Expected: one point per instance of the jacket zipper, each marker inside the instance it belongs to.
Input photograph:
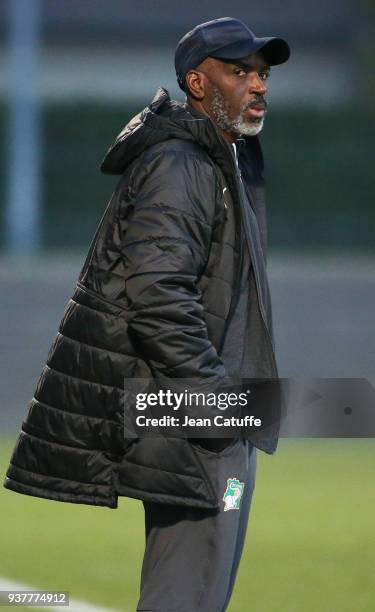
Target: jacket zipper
(256, 275)
(237, 281)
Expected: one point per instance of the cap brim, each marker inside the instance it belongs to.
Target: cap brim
(275, 50)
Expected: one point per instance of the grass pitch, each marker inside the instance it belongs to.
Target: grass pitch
(310, 544)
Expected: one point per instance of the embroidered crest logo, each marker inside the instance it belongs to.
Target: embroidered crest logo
(233, 494)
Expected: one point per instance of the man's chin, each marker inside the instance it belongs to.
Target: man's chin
(247, 128)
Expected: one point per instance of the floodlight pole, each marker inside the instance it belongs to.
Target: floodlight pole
(22, 214)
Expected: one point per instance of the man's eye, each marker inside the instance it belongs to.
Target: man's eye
(239, 71)
(264, 75)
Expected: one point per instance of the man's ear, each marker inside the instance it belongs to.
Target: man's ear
(195, 84)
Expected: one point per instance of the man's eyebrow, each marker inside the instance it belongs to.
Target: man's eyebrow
(240, 64)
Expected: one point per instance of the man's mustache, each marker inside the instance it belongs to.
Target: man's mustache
(259, 101)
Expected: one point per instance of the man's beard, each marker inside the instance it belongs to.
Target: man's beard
(238, 125)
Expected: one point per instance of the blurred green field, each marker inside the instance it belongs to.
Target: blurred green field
(310, 545)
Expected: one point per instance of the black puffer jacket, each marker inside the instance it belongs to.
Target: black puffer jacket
(153, 298)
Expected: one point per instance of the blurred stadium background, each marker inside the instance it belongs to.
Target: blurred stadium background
(71, 75)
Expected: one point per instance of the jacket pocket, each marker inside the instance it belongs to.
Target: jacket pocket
(223, 452)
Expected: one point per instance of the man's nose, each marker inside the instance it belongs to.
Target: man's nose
(257, 85)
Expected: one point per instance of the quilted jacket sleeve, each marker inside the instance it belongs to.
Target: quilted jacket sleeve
(165, 250)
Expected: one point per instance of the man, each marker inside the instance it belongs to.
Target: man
(173, 287)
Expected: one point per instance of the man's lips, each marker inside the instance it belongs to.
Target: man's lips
(257, 108)
(257, 111)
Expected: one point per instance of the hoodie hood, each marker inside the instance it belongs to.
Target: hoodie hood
(162, 120)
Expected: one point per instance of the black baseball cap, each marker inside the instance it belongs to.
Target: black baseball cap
(227, 39)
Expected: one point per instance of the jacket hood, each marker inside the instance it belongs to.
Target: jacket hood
(162, 120)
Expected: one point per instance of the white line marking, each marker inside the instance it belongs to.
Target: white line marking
(75, 605)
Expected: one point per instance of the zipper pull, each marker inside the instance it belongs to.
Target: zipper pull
(224, 190)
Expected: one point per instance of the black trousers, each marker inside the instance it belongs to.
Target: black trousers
(192, 555)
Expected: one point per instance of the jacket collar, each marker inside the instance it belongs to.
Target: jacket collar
(164, 119)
